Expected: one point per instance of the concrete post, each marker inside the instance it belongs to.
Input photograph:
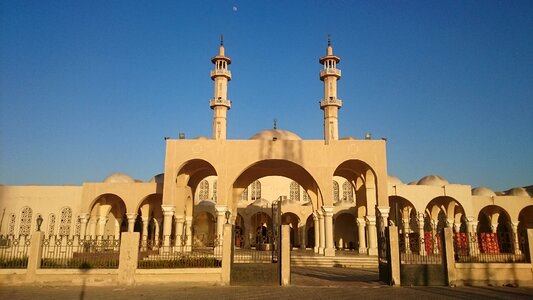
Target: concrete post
(328, 224)
(227, 253)
(317, 232)
(34, 255)
(361, 237)
(128, 257)
(394, 257)
(372, 235)
(285, 255)
(449, 256)
(131, 221)
(322, 233)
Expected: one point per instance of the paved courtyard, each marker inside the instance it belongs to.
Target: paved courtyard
(308, 283)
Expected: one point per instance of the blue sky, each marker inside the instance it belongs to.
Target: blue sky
(91, 88)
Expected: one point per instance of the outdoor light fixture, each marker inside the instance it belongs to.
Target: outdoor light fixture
(181, 136)
(368, 136)
(39, 222)
(228, 214)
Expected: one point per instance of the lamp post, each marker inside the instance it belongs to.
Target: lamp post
(39, 222)
(228, 214)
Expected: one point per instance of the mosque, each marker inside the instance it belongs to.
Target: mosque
(335, 193)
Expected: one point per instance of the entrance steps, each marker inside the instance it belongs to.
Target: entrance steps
(355, 261)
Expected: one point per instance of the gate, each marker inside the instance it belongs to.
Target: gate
(260, 263)
(383, 250)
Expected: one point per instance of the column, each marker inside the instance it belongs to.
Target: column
(434, 236)
(361, 237)
(316, 227)
(372, 235)
(405, 232)
(471, 228)
(168, 212)
(328, 225)
(102, 220)
(302, 233)
(420, 222)
(118, 222)
(188, 232)
(131, 221)
(144, 233)
(516, 244)
(157, 232)
(92, 227)
(84, 218)
(178, 233)
(221, 220)
(322, 233)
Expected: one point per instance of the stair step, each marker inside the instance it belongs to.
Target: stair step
(336, 261)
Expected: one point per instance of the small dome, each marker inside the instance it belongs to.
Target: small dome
(433, 180)
(347, 138)
(119, 178)
(412, 183)
(261, 203)
(518, 191)
(159, 178)
(393, 180)
(276, 134)
(483, 191)
(207, 203)
(203, 138)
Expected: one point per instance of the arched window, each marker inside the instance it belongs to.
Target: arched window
(295, 191)
(78, 227)
(335, 191)
(256, 190)
(204, 190)
(25, 221)
(305, 196)
(66, 219)
(51, 224)
(215, 191)
(347, 192)
(11, 228)
(244, 195)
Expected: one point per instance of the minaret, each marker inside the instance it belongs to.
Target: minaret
(220, 102)
(330, 104)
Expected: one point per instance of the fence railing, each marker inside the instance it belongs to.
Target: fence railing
(14, 251)
(502, 247)
(415, 249)
(75, 252)
(201, 252)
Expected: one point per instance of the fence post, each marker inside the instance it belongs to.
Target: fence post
(394, 259)
(128, 257)
(227, 253)
(285, 255)
(34, 255)
(449, 256)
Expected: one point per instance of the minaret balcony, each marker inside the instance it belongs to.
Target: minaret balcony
(220, 102)
(330, 72)
(221, 72)
(330, 102)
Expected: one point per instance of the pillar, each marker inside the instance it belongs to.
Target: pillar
(421, 238)
(84, 218)
(302, 233)
(316, 227)
(322, 233)
(131, 221)
(102, 220)
(168, 213)
(178, 232)
(516, 242)
(188, 232)
(144, 233)
(221, 219)
(471, 232)
(405, 232)
(328, 225)
(361, 237)
(372, 235)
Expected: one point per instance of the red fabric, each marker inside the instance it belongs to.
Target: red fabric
(428, 240)
(489, 243)
(461, 242)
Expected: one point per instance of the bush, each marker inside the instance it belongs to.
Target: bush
(14, 263)
(182, 262)
(79, 264)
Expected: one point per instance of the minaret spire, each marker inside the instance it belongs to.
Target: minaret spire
(330, 104)
(220, 102)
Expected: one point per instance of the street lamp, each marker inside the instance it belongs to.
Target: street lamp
(39, 222)
(228, 214)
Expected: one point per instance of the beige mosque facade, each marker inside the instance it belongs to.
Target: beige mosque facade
(335, 193)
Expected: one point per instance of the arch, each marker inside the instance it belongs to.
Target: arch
(525, 222)
(107, 213)
(310, 231)
(345, 231)
(402, 210)
(239, 231)
(261, 223)
(293, 221)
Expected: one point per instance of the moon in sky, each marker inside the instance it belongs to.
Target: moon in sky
(235, 8)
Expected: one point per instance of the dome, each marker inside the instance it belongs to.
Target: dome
(203, 138)
(518, 191)
(207, 203)
(261, 203)
(433, 180)
(347, 138)
(483, 191)
(119, 178)
(276, 134)
(159, 178)
(393, 180)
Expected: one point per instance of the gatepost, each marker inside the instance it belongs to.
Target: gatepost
(128, 257)
(227, 253)
(394, 257)
(285, 255)
(34, 255)
(449, 256)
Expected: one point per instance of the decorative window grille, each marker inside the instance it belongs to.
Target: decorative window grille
(51, 224)
(335, 191)
(204, 190)
(215, 191)
(78, 227)
(347, 192)
(66, 220)
(294, 191)
(25, 221)
(306, 196)
(244, 195)
(11, 228)
(256, 190)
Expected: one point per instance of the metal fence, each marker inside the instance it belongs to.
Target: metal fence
(75, 252)
(203, 251)
(501, 247)
(415, 249)
(14, 251)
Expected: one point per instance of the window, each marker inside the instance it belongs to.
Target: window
(204, 190)
(335, 191)
(294, 191)
(215, 191)
(11, 228)
(25, 221)
(66, 219)
(347, 192)
(244, 195)
(306, 196)
(51, 224)
(256, 190)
